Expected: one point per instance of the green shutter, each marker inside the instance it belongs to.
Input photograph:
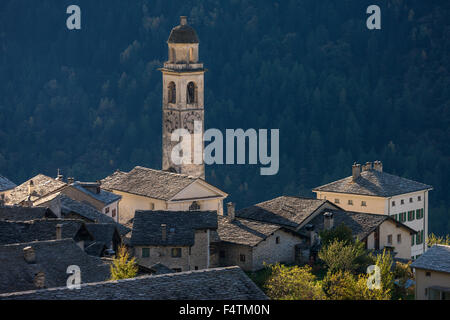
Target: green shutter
(412, 239)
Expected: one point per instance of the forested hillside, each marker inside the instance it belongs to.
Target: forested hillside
(89, 101)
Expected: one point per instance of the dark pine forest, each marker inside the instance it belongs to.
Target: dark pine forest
(89, 101)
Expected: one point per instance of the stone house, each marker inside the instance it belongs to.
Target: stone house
(149, 189)
(371, 190)
(106, 239)
(250, 244)
(432, 273)
(377, 231)
(180, 240)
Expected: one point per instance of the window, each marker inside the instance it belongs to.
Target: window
(410, 200)
(107, 210)
(191, 55)
(152, 206)
(176, 269)
(419, 198)
(191, 93)
(277, 240)
(194, 206)
(242, 258)
(402, 201)
(350, 202)
(113, 213)
(428, 274)
(389, 239)
(196, 267)
(393, 203)
(336, 200)
(363, 204)
(399, 238)
(176, 252)
(145, 252)
(411, 215)
(419, 237)
(171, 93)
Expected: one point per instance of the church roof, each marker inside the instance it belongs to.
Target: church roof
(229, 283)
(374, 183)
(183, 33)
(157, 184)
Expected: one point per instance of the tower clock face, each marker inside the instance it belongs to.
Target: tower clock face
(171, 122)
(189, 118)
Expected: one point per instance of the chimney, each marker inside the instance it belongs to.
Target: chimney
(59, 176)
(30, 187)
(70, 180)
(378, 166)
(231, 211)
(39, 280)
(183, 20)
(29, 255)
(311, 233)
(164, 232)
(58, 231)
(356, 171)
(328, 221)
(367, 166)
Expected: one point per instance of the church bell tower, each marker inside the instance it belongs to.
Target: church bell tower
(182, 103)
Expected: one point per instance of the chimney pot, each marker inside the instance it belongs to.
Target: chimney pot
(30, 187)
(164, 232)
(183, 20)
(29, 255)
(378, 166)
(356, 171)
(231, 211)
(39, 280)
(70, 180)
(58, 231)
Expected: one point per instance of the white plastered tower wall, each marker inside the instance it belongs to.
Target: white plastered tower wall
(183, 98)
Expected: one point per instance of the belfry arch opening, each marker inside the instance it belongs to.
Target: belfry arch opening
(191, 93)
(171, 93)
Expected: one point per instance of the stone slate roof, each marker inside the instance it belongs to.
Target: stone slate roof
(181, 227)
(159, 268)
(103, 232)
(103, 196)
(42, 230)
(374, 183)
(43, 185)
(85, 211)
(147, 182)
(18, 213)
(6, 184)
(436, 258)
(52, 257)
(361, 224)
(284, 210)
(243, 231)
(229, 283)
